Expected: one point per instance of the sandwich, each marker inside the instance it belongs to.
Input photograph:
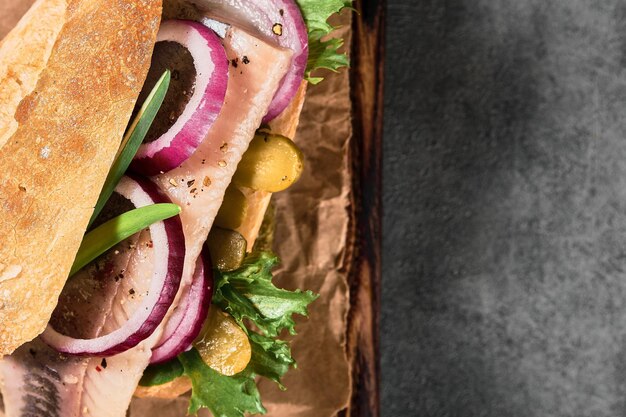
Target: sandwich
(140, 144)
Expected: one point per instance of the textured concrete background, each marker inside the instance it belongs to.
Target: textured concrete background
(505, 197)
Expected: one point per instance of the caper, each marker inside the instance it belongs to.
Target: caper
(271, 163)
(227, 248)
(233, 210)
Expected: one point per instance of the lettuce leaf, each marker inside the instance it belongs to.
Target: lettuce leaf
(161, 373)
(232, 396)
(248, 293)
(224, 396)
(271, 358)
(323, 52)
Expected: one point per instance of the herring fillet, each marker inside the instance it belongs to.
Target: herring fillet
(122, 371)
(36, 377)
(107, 392)
(198, 184)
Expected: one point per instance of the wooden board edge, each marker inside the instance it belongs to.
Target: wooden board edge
(364, 276)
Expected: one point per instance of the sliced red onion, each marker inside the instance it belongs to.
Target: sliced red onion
(185, 324)
(169, 253)
(278, 21)
(211, 65)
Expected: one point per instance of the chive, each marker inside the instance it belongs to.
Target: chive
(109, 234)
(132, 140)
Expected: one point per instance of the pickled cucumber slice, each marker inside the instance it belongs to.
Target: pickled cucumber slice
(272, 163)
(223, 345)
(227, 248)
(234, 209)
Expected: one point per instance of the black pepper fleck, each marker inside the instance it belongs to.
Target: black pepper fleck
(245, 60)
(131, 291)
(104, 363)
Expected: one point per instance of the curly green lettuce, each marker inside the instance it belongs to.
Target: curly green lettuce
(248, 293)
(323, 51)
(250, 297)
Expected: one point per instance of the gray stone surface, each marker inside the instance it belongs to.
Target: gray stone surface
(505, 209)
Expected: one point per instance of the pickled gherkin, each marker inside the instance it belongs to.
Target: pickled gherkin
(223, 345)
(272, 163)
(227, 248)
(233, 210)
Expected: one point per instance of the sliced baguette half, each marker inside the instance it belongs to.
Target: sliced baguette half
(70, 73)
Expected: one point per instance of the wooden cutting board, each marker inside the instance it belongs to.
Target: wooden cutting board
(367, 51)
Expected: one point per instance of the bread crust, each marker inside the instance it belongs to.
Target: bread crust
(64, 136)
(24, 53)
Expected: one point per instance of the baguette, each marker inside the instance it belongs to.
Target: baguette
(60, 129)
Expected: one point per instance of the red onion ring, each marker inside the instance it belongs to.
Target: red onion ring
(181, 140)
(169, 253)
(185, 324)
(278, 21)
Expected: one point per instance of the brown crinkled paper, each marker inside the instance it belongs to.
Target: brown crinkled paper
(311, 239)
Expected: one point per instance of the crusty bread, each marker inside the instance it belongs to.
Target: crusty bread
(23, 55)
(258, 201)
(67, 92)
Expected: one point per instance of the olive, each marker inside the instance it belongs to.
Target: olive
(272, 163)
(233, 210)
(227, 248)
(223, 345)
